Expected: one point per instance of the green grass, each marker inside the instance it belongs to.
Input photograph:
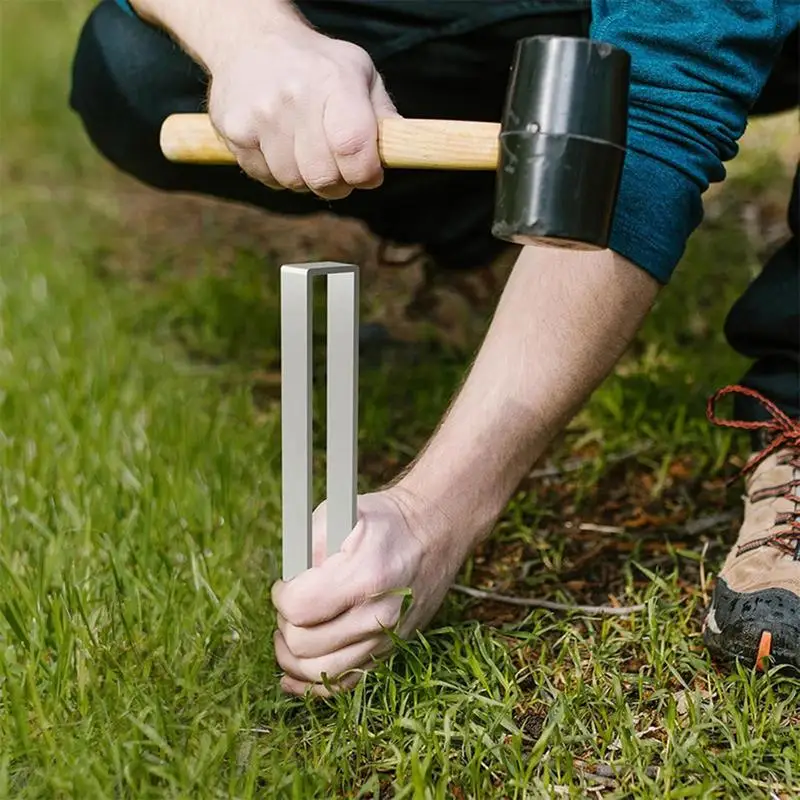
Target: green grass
(139, 507)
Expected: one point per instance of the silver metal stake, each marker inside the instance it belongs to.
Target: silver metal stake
(297, 410)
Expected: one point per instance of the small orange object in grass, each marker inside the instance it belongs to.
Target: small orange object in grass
(764, 650)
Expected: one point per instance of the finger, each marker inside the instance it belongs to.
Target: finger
(277, 147)
(251, 160)
(315, 160)
(291, 685)
(351, 130)
(299, 599)
(333, 664)
(355, 625)
(284, 168)
(334, 580)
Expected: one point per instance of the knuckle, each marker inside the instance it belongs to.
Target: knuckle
(296, 619)
(331, 190)
(339, 192)
(350, 142)
(293, 637)
(286, 604)
(288, 93)
(288, 179)
(357, 56)
(362, 173)
(269, 109)
(323, 180)
(390, 616)
(259, 174)
(293, 613)
(237, 128)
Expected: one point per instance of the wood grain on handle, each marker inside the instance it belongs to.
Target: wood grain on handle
(408, 143)
(438, 144)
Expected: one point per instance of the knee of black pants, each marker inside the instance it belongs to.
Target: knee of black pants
(764, 325)
(782, 89)
(127, 77)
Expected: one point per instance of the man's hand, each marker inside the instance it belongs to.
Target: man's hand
(300, 111)
(331, 618)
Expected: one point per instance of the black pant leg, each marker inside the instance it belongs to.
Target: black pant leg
(764, 324)
(782, 90)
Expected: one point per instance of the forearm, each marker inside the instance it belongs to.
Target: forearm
(206, 29)
(564, 320)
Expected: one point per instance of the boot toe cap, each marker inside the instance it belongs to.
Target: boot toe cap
(736, 624)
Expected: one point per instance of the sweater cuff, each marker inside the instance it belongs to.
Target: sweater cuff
(650, 190)
(126, 7)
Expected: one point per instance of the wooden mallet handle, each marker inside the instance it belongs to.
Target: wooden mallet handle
(405, 143)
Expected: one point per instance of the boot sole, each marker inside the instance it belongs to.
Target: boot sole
(756, 628)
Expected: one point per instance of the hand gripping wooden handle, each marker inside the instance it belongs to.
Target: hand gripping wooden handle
(408, 143)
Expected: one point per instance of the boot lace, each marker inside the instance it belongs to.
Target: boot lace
(782, 432)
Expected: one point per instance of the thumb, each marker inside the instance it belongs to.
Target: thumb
(319, 534)
(379, 97)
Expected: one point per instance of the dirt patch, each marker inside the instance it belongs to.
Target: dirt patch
(178, 233)
(586, 550)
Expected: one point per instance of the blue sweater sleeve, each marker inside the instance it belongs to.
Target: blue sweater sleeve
(697, 67)
(126, 6)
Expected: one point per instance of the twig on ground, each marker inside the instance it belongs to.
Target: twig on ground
(703, 585)
(590, 526)
(574, 464)
(703, 524)
(691, 528)
(601, 779)
(533, 602)
(607, 775)
(694, 527)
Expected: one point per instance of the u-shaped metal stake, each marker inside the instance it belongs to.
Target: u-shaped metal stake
(297, 410)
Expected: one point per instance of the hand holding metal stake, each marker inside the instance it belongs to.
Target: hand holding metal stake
(297, 409)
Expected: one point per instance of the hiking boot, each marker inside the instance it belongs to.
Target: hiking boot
(754, 616)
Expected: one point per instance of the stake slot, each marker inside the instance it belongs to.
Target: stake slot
(297, 295)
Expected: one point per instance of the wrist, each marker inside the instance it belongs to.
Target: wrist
(250, 27)
(435, 522)
(463, 485)
(211, 32)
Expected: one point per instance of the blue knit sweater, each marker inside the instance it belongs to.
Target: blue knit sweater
(697, 68)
